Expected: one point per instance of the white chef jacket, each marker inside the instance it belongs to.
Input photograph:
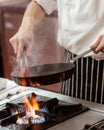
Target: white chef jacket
(80, 22)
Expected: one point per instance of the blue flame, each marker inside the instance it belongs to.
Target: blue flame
(32, 120)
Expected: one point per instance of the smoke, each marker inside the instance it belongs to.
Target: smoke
(45, 49)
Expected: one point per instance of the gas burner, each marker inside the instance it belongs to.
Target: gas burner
(50, 112)
(96, 126)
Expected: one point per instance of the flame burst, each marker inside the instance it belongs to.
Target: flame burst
(23, 82)
(32, 106)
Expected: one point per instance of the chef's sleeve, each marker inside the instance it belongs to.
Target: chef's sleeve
(48, 5)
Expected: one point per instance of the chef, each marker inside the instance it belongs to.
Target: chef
(80, 27)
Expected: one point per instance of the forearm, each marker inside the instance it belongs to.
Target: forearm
(32, 16)
(24, 38)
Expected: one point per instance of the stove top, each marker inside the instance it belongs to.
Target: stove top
(96, 126)
(58, 111)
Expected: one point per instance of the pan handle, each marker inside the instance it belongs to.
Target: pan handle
(79, 56)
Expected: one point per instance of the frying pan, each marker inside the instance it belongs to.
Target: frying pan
(46, 74)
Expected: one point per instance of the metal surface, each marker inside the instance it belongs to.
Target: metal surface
(52, 117)
(46, 74)
(79, 56)
(76, 123)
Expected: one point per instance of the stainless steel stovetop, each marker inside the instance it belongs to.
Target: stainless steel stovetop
(96, 112)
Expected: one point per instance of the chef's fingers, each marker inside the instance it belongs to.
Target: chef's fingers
(14, 42)
(98, 45)
(29, 46)
(93, 47)
(20, 49)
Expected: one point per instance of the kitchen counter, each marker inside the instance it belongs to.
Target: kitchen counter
(96, 112)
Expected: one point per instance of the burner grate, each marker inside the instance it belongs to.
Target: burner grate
(58, 111)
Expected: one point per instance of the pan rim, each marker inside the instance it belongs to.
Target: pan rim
(13, 73)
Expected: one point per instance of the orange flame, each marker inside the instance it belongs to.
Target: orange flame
(37, 84)
(23, 82)
(33, 105)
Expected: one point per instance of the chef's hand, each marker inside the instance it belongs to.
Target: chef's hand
(98, 46)
(23, 39)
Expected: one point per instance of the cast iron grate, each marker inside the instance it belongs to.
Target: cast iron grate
(58, 111)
